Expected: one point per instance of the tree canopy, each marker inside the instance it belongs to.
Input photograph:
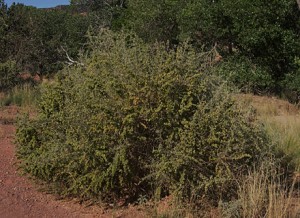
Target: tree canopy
(266, 32)
(263, 34)
(34, 38)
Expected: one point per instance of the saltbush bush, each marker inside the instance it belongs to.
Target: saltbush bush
(138, 120)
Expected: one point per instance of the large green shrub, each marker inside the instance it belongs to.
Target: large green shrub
(137, 120)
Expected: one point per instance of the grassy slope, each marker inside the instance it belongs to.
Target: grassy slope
(282, 120)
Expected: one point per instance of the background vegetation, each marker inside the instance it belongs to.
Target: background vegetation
(263, 35)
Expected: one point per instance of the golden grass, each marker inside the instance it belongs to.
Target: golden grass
(281, 120)
(268, 106)
(285, 130)
(261, 194)
(24, 95)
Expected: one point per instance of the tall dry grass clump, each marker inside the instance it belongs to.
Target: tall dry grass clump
(263, 193)
(24, 95)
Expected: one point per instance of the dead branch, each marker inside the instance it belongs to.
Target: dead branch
(70, 61)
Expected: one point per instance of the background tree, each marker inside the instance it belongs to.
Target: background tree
(7, 67)
(266, 33)
(35, 37)
(22, 33)
(101, 13)
(3, 28)
(154, 19)
(59, 29)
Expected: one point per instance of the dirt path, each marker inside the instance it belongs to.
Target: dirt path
(20, 198)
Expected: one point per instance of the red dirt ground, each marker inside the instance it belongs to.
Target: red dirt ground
(20, 198)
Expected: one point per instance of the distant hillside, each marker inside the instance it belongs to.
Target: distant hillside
(58, 7)
(74, 9)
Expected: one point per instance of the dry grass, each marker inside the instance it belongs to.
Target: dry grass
(169, 207)
(8, 114)
(281, 120)
(262, 194)
(24, 95)
(268, 106)
(285, 130)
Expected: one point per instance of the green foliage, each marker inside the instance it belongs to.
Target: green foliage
(291, 84)
(21, 35)
(3, 28)
(154, 20)
(57, 30)
(34, 38)
(8, 75)
(101, 13)
(136, 120)
(266, 32)
(244, 74)
(213, 146)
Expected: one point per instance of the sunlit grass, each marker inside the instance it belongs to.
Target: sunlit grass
(24, 95)
(285, 130)
(262, 193)
(281, 120)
